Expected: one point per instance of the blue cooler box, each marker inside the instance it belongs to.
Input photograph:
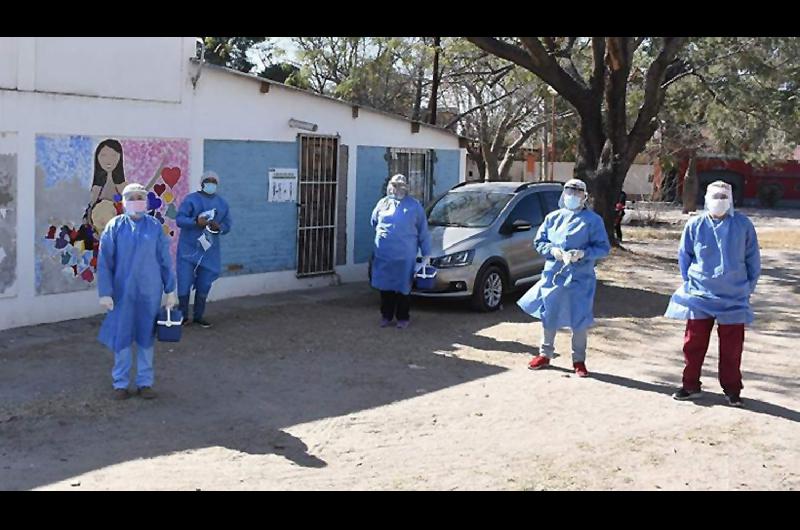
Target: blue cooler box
(168, 325)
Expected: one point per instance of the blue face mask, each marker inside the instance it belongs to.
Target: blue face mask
(210, 188)
(572, 202)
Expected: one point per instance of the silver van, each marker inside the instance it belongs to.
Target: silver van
(482, 239)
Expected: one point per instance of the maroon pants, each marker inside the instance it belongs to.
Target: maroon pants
(695, 345)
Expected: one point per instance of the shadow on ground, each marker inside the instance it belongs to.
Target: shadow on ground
(266, 365)
(709, 399)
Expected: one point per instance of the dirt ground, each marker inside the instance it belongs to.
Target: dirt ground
(302, 390)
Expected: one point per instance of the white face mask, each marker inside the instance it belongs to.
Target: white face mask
(717, 207)
(573, 202)
(134, 208)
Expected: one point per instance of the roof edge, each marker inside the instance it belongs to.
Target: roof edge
(323, 96)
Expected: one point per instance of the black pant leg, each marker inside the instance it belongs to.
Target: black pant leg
(618, 232)
(388, 303)
(403, 306)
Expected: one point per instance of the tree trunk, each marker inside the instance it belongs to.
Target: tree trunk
(607, 187)
(505, 167)
(491, 165)
(604, 180)
(416, 113)
(435, 87)
(481, 168)
(690, 185)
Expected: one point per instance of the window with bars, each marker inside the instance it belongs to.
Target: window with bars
(417, 166)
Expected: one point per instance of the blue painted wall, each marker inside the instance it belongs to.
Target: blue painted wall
(264, 234)
(445, 170)
(371, 172)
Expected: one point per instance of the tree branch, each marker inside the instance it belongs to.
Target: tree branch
(538, 62)
(618, 62)
(645, 126)
(597, 80)
(481, 105)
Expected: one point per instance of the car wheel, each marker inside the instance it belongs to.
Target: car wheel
(489, 288)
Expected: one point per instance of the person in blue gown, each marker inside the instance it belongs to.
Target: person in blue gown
(401, 231)
(134, 271)
(720, 264)
(571, 239)
(203, 218)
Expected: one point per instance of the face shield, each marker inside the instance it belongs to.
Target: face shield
(397, 187)
(134, 199)
(719, 199)
(574, 195)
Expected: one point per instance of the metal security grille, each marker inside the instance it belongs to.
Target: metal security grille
(316, 202)
(416, 165)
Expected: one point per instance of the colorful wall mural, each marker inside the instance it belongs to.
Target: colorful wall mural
(8, 214)
(79, 181)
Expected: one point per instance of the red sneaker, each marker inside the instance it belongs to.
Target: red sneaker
(580, 369)
(540, 361)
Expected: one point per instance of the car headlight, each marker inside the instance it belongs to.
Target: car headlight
(459, 259)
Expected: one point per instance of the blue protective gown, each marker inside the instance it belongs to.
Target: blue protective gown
(189, 248)
(720, 264)
(564, 295)
(134, 268)
(401, 228)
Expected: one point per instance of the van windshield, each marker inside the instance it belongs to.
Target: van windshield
(474, 209)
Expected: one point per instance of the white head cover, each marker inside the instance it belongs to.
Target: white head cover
(573, 184)
(132, 188)
(720, 186)
(208, 175)
(397, 185)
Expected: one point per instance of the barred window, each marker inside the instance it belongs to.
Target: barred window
(417, 166)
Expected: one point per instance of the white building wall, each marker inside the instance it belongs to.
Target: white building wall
(223, 106)
(637, 182)
(9, 57)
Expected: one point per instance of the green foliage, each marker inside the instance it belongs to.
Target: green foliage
(740, 100)
(379, 72)
(280, 72)
(231, 51)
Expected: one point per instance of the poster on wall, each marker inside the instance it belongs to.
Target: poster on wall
(282, 185)
(8, 215)
(79, 183)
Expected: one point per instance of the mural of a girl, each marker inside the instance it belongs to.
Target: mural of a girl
(107, 185)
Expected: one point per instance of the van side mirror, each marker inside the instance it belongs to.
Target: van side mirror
(519, 225)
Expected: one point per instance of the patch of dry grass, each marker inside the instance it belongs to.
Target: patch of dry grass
(776, 239)
(643, 233)
(779, 239)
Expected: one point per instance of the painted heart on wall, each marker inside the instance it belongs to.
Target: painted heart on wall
(160, 189)
(172, 212)
(171, 175)
(168, 197)
(153, 202)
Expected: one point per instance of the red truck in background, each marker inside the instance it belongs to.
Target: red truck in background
(752, 185)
